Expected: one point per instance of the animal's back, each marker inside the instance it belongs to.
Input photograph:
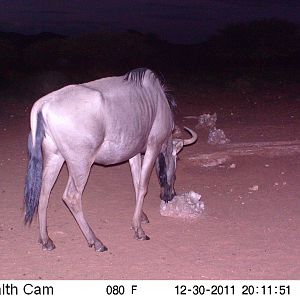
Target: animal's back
(108, 116)
(138, 96)
(136, 111)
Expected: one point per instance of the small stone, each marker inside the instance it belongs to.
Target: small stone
(254, 188)
(217, 136)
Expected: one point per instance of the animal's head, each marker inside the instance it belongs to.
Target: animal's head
(166, 165)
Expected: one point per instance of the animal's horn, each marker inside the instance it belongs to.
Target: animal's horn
(193, 139)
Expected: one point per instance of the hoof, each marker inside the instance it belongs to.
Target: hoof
(48, 246)
(144, 219)
(142, 237)
(99, 247)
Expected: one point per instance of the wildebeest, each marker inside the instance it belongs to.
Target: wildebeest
(106, 121)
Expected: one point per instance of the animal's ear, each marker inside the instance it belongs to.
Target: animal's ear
(177, 146)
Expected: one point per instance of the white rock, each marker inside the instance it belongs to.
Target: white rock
(187, 205)
(217, 136)
(254, 188)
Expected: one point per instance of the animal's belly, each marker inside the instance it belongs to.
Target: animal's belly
(113, 153)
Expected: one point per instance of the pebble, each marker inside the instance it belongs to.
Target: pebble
(254, 188)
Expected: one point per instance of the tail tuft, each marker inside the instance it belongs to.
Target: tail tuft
(33, 181)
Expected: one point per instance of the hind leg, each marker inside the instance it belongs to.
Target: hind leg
(78, 176)
(136, 168)
(52, 165)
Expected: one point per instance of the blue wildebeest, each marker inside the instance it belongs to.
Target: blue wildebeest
(105, 121)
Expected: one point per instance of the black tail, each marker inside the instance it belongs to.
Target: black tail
(33, 182)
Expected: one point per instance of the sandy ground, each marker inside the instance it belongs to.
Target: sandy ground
(243, 234)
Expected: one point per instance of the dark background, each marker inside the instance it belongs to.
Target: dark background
(45, 45)
(177, 21)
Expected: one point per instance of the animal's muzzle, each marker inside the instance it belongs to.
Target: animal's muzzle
(167, 194)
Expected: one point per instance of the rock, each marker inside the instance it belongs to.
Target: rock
(187, 205)
(207, 121)
(217, 137)
(253, 188)
(232, 166)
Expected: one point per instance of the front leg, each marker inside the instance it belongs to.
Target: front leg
(135, 164)
(141, 191)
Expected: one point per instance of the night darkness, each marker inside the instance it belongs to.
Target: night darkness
(175, 20)
(189, 37)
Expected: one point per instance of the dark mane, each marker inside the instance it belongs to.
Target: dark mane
(137, 76)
